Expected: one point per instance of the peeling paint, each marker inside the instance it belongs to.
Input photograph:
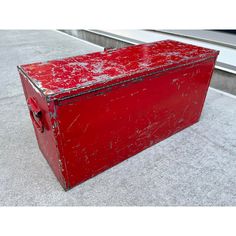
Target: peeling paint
(59, 77)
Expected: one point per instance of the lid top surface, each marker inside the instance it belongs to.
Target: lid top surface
(96, 69)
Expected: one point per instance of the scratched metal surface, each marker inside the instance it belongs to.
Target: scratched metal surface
(194, 167)
(60, 76)
(227, 55)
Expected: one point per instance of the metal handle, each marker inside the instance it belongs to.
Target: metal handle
(35, 114)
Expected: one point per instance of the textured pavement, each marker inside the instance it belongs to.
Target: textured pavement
(195, 167)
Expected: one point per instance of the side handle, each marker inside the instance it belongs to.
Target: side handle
(35, 114)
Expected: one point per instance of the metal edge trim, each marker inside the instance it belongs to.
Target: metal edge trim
(20, 69)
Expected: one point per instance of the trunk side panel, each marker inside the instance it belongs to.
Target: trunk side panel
(47, 141)
(103, 128)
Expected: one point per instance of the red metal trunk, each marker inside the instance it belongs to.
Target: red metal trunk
(93, 111)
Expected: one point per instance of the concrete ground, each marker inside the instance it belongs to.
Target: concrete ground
(195, 167)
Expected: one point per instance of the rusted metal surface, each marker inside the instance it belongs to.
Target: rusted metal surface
(99, 109)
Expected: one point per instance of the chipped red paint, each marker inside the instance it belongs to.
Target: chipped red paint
(101, 108)
(60, 78)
